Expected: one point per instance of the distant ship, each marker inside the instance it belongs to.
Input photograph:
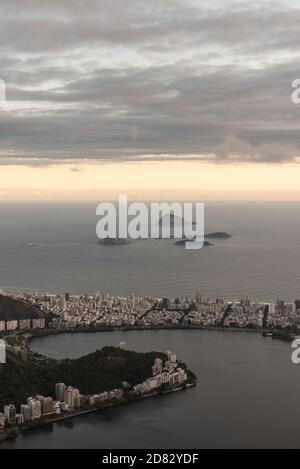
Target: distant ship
(31, 244)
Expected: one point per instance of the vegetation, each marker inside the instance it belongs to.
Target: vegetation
(100, 371)
(11, 308)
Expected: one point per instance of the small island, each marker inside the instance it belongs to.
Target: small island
(218, 235)
(114, 241)
(182, 242)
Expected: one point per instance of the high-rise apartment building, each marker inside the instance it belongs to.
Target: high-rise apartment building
(59, 391)
(10, 414)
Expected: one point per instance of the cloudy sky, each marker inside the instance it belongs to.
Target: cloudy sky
(194, 91)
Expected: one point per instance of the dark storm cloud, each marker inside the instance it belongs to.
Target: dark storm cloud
(115, 80)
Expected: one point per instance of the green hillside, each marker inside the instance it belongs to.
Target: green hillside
(100, 371)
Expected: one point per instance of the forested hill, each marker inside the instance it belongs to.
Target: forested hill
(11, 308)
(100, 371)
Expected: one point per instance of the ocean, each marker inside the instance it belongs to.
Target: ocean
(261, 260)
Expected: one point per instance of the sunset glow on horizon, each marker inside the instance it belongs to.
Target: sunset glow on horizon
(147, 180)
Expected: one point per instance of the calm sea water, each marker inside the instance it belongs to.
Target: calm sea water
(262, 259)
(247, 396)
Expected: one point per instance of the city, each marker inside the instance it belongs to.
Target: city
(103, 311)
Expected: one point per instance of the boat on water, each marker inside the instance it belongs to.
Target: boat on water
(267, 334)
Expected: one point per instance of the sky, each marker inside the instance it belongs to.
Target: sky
(184, 98)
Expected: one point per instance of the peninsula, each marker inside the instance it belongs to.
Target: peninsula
(107, 377)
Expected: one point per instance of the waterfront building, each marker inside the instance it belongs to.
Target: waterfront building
(36, 409)
(91, 400)
(177, 377)
(47, 406)
(104, 396)
(56, 407)
(157, 367)
(139, 388)
(171, 357)
(19, 419)
(29, 400)
(96, 399)
(59, 391)
(2, 326)
(70, 396)
(171, 363)
(163, 378)
(26, 412)
(40, 398)
(112, 395)
(150, 384)
(64, 406)
(116, 394)
(81, 401)
(10, 414)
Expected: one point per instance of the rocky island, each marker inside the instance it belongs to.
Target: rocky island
(218, 235)
(114, 241)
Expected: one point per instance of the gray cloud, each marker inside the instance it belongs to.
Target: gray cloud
(114, 80)
(235, 150)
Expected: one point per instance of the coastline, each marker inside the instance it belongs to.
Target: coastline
(14, 432)
(286, 335)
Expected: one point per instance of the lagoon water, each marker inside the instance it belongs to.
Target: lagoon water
(247, 395)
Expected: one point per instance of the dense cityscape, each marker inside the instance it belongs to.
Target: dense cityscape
(105, 311)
